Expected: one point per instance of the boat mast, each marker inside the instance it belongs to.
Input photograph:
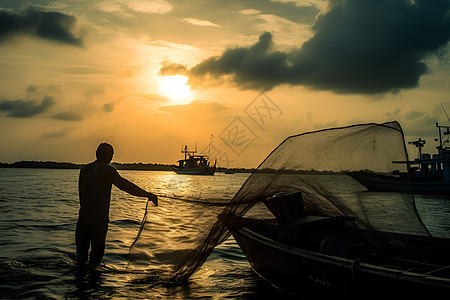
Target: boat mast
(445, 112)
(419, 144)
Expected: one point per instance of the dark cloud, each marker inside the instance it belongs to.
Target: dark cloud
(26, 108)
(31, 89)
(255, 67)
(358, 46)
(171, 68)
(49, 25)
(38, 91)
(108, 107)
(68, 116)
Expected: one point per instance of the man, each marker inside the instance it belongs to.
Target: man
(94, 187)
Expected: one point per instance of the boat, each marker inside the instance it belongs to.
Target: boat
(298, 252)
(426, 174)
(304, 224)
(194, 164)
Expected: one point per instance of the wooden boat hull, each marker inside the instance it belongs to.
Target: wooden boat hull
(297, 269)
(378, 182)
(194, 171)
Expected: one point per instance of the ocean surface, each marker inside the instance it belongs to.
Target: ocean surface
(39, 207)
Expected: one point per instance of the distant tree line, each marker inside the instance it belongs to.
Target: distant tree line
(118, 166)
(41, 165)
(67, 165)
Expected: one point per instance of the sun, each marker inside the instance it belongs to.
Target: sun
(175, 88)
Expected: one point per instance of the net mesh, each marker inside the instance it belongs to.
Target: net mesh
(315, 164)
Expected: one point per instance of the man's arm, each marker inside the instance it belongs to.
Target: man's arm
(131, 188)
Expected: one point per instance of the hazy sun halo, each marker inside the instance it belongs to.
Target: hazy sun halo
(175, 88)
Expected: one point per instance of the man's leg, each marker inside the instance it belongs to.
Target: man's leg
(82, 241)
(98, 244)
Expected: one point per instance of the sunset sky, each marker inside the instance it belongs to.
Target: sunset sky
(150, 75)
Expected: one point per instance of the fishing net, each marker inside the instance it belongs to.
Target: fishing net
(318, 165)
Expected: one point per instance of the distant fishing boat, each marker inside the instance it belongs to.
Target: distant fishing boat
(194, 164)
(426, 174)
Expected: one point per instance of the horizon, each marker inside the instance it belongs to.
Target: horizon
(229, 78)
(111, 163)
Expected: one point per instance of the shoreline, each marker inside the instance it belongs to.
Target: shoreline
(118, 166)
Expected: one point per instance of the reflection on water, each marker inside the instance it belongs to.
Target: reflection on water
(37, 250)
(435, 213)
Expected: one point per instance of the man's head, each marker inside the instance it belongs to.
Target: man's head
(105, 153)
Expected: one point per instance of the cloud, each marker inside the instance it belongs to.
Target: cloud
(93, 92)
(123, 7)
(255, 67)
(58, 133)
(199, 22)
(196, 106)
(152, 6)
(26, 108)
(414, 115)
(108, 107)
(302, 12)
(321, 4)
(167, 44)
(69, 115)
(171, 68)
(250, 11)
(49, 25)
(38, 91)
(196, 109)
(358, 46)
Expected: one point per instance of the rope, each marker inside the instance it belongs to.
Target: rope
(140, 227)
(194, 201)
(173, 198)
(144, 219)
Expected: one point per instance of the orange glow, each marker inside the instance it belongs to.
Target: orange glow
(175, 88)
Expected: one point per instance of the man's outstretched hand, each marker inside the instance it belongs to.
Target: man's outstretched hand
(153, 198)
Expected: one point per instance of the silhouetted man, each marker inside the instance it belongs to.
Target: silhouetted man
(94, 187)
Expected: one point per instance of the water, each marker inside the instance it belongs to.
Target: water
(39, 209)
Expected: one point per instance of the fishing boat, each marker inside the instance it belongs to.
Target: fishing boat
(305, 225)
(426, 174)
(194, 164)
(294, 251)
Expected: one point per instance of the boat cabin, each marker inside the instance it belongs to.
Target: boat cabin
(193, 161)
(432, 166)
